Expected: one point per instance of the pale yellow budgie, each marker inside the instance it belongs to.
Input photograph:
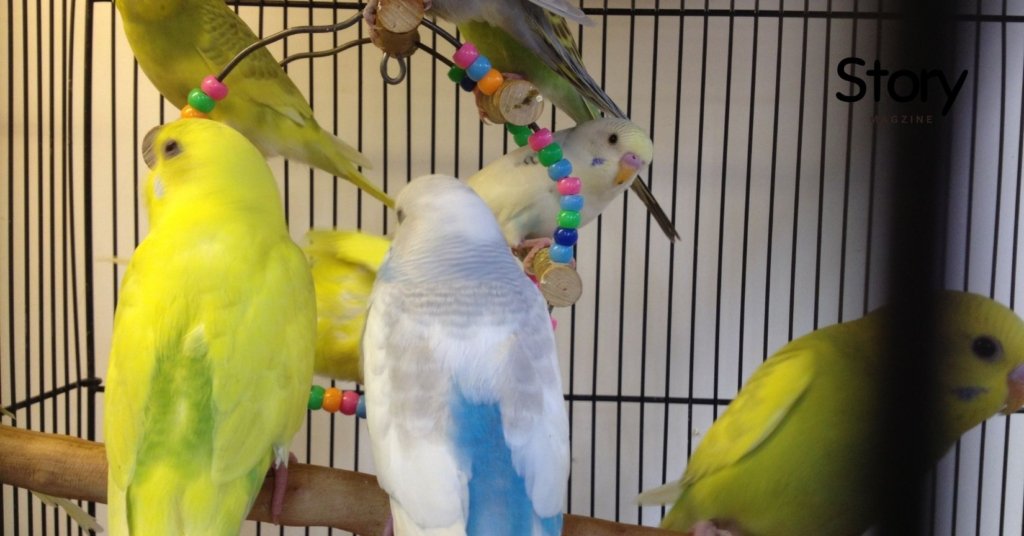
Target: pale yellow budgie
(344, 265)
(791, 454)
(212, 353)
(180, 42)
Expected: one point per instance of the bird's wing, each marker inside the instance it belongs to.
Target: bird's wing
(565, 9)
(132, 364)
(407, 395)
(261, 356)
(258, 77)
(557, 48)
(532, 407)
(758, 410)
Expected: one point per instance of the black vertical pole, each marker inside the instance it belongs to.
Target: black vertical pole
(907, 417)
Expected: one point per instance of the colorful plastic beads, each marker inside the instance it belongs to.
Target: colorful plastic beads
(333, 400)
(473, 70)
(203, 99)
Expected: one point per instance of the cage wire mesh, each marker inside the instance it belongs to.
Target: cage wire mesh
(775, 185)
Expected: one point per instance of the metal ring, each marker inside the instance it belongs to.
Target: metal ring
(403, 69)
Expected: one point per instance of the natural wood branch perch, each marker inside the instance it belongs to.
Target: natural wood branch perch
(317, 496)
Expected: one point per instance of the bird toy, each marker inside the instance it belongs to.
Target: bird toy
(333, 400)
(473, 70)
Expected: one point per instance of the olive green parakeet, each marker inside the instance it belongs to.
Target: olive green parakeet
(792, 453)
(212, 352)
(179, 42)
(532, 38)
(344, 265)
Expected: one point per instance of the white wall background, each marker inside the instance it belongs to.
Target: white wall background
(776, 187)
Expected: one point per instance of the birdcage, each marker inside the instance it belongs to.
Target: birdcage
(787, 167)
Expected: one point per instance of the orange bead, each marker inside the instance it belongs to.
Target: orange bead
(490, 82)
(190, 112)
(332, 400)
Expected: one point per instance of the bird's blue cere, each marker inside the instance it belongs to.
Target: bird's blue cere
(496, 491)
(969, 393)
(597, 161)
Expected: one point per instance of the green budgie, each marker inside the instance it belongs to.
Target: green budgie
(179, 42)
(214, 333)
(788, 456)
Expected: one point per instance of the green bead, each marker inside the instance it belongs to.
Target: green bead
(456, 74)
(520, 133)
(569, 219)
(201, 101)
(550, 154)
(316, 397)
(518, 130)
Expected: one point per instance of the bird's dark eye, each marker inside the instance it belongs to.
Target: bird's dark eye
(613, 139)
(986, 347)
(400, 214)
(171, 149)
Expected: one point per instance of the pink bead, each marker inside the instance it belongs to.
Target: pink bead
(466, 55)
(554, 324)
(541, 139)
(214, 88)
(569, 186)
(349, 402)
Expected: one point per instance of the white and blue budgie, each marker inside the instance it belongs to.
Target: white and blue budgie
(463, 392)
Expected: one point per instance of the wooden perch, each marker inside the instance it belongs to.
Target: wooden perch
(317, 496)
(516, 101)
(559, 283)
(397, 26)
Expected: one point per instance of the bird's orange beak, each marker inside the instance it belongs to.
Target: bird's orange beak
(629, 165)
(1015, 385)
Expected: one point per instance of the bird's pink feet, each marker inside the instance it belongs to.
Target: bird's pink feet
(531, 246)
(280, 471)
(707, 528)
(389, 527)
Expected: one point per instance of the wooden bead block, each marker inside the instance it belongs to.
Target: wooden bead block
(517, 101)
(559, 283)
(397, 26)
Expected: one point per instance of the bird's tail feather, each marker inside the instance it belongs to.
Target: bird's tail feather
(660, 495)
(349, 246)
(647, 198)
(342, 161)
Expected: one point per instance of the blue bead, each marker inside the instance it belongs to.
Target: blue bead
(566, 237)
(560, 254)
(560, 169)
(572, 202)
(467, 84)
(361, 407)
(479, 68)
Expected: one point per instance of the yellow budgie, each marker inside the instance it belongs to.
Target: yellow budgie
(212, 353)
(344, 265)
(180, 42)
(788, 455)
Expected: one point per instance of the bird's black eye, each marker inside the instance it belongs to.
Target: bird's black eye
(400, 214)
(613, 139)
(986, 347)
(171, 149)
